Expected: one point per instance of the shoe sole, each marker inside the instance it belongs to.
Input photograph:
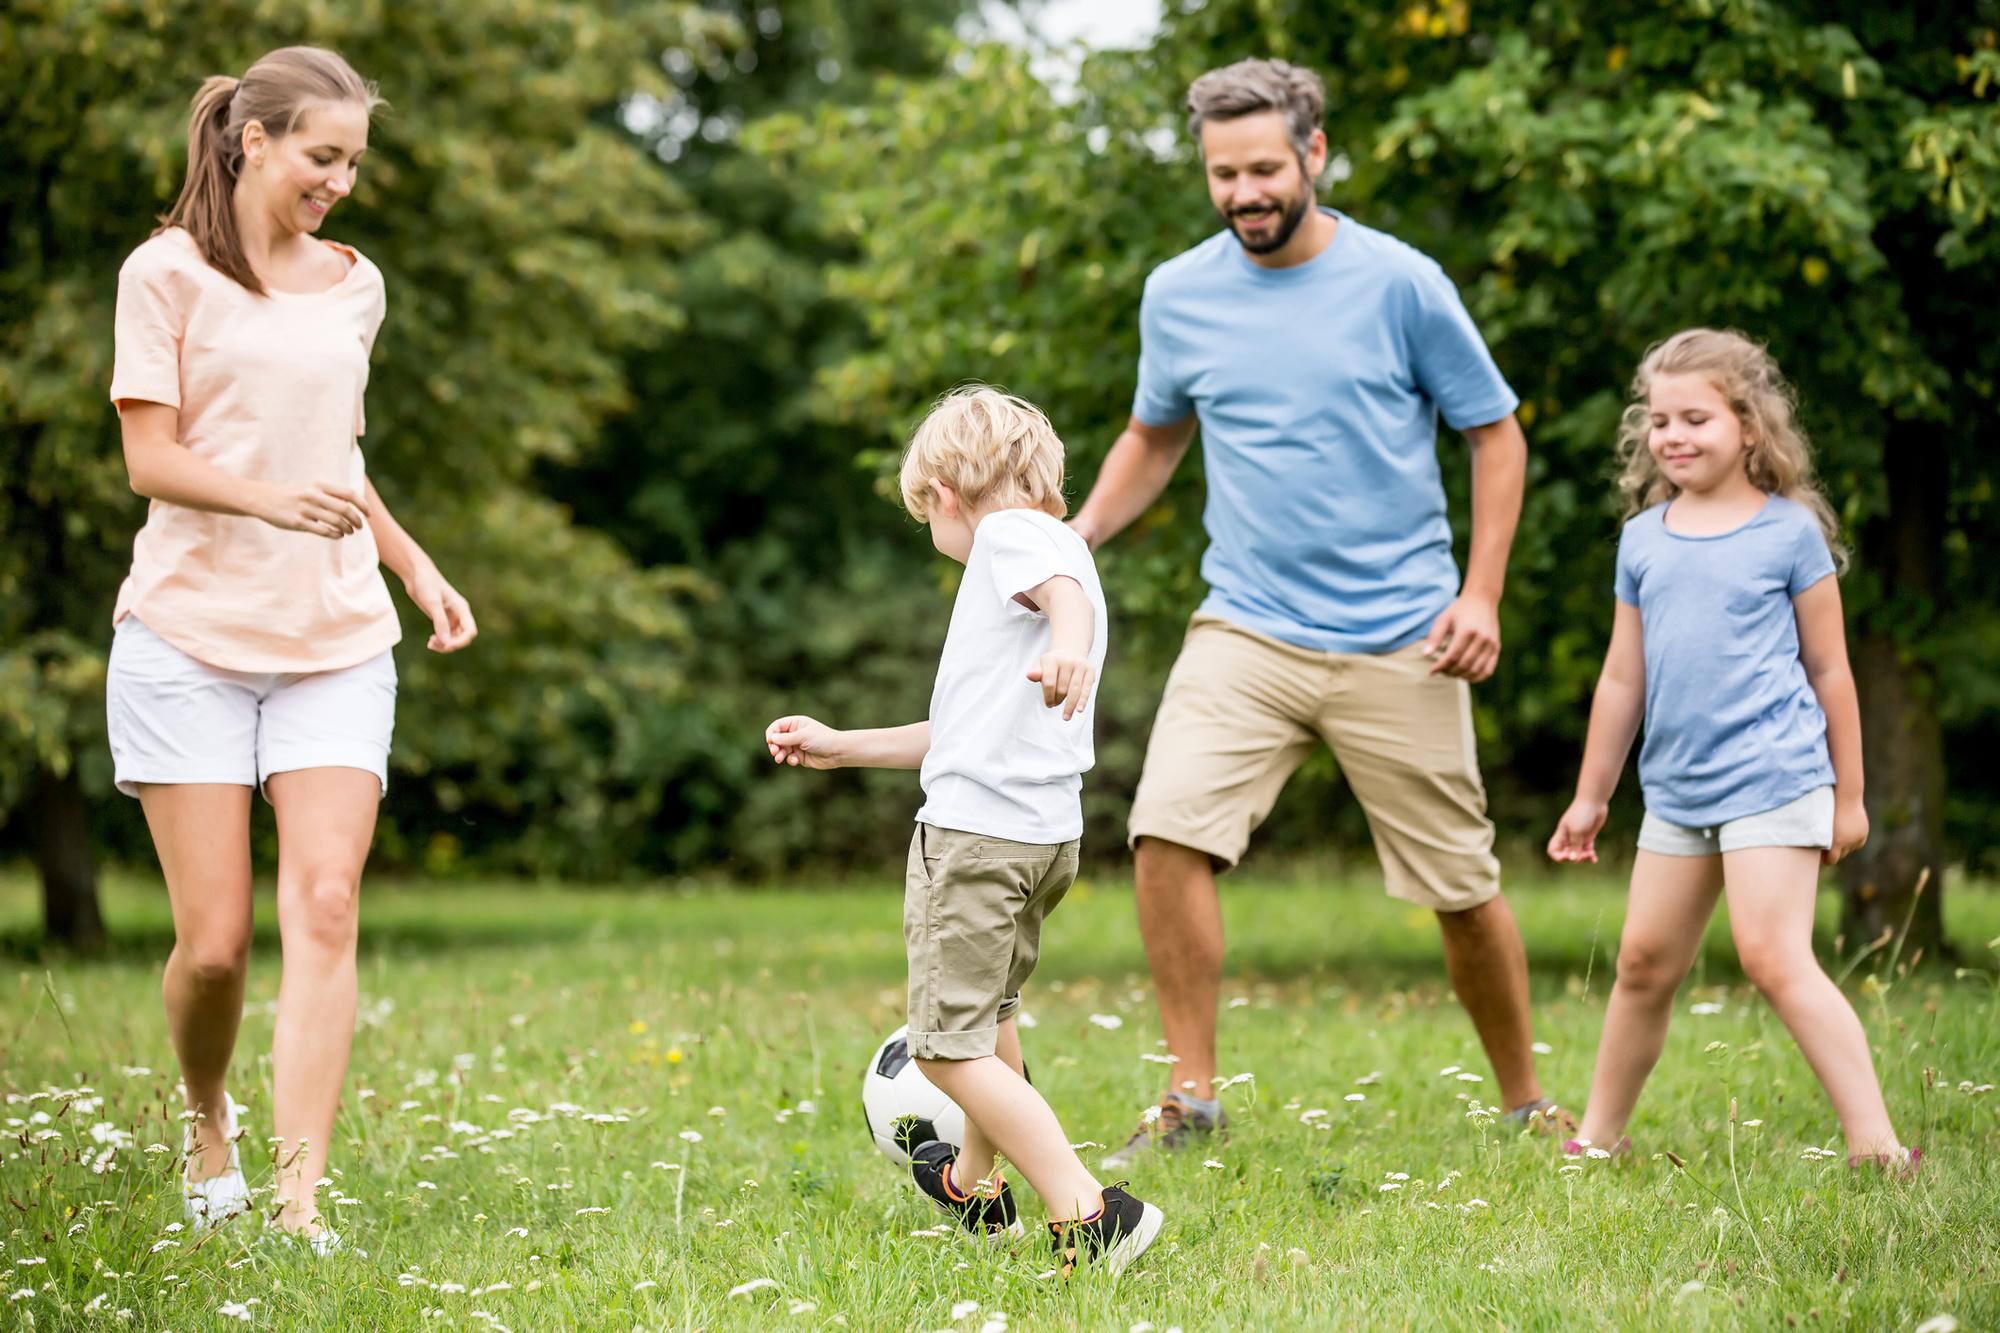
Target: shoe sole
(1134, 1242)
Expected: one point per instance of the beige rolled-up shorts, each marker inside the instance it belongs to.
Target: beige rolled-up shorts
(973, 908)
(1242, 711)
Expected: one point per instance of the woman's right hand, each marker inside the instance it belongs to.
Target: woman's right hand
(1575, 837)
(319, 507)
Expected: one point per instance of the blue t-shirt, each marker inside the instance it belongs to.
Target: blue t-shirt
(1318, 388)
(1733, 727)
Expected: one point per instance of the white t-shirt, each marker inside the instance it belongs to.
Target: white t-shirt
(1001, 763)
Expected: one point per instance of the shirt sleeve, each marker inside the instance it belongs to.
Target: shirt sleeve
(1161, 399)
(1448, 358)
(1625, 583)
(147, 328)
(1020, 555)
(1812, 559)
(371, 324)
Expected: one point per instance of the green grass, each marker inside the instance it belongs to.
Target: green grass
(589, 1029)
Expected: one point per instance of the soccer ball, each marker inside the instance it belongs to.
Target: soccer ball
(894, 1091)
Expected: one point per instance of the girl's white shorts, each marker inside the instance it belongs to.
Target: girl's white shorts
(1805, 822)
(173, 719)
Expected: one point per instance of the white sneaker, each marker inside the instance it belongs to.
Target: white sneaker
(324, 1242)
(215, 1200)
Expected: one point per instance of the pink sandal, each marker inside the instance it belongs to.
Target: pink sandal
(1581, 1147)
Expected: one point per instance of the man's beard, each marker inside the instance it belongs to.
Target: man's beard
(1288, 222)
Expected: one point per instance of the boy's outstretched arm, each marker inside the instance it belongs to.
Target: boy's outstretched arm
(804, 741)
(1615, 715)
(1065, 672)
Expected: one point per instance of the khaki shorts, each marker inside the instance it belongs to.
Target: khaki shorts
(1240, 715)
(973, 908)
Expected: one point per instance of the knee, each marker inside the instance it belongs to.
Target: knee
(326, 909)
(1160, 864)
(1647, 972)
(939, 1072)
(216, 960)
(1774, 969)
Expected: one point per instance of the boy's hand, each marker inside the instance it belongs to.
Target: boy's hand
(1850, 831)
(1065, 679)
(802, 740)
(1575, 837)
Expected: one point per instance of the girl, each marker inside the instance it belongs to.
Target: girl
(253, 632)
(1729, 642)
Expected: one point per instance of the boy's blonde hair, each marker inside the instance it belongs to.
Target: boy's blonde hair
(987, 446)
(1775, 451)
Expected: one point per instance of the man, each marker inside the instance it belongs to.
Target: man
(1317, 355)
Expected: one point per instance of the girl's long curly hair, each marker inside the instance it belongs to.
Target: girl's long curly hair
(1775, 451)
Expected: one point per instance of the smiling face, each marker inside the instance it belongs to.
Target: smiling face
(1696, 437)
(297, 179)
(1256, 181)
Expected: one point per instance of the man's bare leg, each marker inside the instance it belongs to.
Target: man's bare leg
(1180, 919)
(1489, 969)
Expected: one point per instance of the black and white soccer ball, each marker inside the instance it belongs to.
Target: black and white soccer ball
(901, 1106)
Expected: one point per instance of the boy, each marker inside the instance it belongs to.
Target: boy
(1003, 756)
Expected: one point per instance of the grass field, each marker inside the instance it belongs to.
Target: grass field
(517, 1147)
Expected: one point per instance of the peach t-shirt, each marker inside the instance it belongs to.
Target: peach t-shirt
(267, 387)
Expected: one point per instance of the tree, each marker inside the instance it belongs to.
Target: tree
(530, 247)
(1596, 177)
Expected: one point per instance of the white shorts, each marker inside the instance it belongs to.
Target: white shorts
(1806, 822)
(173, 719)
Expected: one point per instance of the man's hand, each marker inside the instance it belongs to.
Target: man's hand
(1465, 640)
(802, 741)
(1065, 679)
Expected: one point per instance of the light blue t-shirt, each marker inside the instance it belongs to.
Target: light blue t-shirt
(1733, 727)
(1319, 388)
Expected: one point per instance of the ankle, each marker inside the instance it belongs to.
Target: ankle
(1598, 1136)
(1085, 1211)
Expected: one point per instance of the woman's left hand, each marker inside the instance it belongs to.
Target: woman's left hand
(1850, 831)
(451, 618)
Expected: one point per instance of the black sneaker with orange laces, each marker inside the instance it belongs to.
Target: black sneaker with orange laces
(1111, 1238)
(988, 1214)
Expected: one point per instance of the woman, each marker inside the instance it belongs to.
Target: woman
(253, 633)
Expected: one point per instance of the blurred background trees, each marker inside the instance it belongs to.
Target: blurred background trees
(669, 282)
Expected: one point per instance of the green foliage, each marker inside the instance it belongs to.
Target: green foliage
(1595, 176)
(670, 281)
(530, 248)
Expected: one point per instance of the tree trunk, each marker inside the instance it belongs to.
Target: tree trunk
(67, 860)
(1901, 736)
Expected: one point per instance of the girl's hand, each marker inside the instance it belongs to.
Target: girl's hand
(321, 508)
(1575, 837)
(803, 741)
(452, 626)
(1065, 679)
(1850, 831)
